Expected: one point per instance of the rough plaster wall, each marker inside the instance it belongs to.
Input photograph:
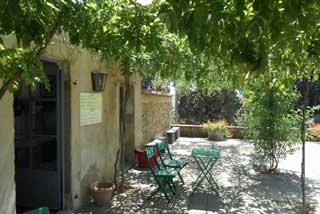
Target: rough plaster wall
(7, 168)
(93, 147)
(156, 115)
(138, 137)
(98, 141)
(129, 144)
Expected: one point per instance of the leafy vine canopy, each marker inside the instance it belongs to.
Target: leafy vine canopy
(250, 36)
(123, 29)
(199, 41)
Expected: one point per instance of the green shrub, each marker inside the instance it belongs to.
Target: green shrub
(271, 124)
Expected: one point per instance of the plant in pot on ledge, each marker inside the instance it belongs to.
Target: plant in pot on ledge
(101, 192)
(216, 129)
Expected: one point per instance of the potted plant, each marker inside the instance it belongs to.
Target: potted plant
(101, 192)
(216, 129)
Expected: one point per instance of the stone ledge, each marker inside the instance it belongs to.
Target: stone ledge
(156, 93)
(192, 130)
(200, 126)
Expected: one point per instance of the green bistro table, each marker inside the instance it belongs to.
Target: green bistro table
(206, 158)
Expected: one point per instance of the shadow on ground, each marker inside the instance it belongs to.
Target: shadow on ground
(242, 189)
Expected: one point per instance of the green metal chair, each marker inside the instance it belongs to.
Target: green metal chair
(162, 176)
(41, 210)
(169, 161)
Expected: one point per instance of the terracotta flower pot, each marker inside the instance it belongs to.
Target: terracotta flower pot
(101, 192)
(215, 135)
(216, 129)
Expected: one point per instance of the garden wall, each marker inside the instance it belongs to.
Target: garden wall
(156, 114)
(189, 130)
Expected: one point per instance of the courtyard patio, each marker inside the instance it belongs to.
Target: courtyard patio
(243, 187)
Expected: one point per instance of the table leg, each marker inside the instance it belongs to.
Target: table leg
(205, 172)
(208, 173)
(201, 175)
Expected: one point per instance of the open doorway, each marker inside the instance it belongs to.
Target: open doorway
(38, 143)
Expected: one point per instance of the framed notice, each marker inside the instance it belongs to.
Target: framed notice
(90, 108)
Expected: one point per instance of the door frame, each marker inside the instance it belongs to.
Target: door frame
(63, 156)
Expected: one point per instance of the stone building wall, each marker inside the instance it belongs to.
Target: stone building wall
(92, 147)
(156, 115)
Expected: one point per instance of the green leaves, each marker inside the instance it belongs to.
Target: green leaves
(33, 23)
(204, 42)
(268, 113)
(52, 6)
(252, 34)
(23, 62)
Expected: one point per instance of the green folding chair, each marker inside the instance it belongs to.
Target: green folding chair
(162, 176)
(169, 161)
(41, 210)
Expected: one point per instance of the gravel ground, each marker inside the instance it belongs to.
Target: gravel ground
(242, 188)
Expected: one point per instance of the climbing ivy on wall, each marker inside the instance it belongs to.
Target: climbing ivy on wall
(202, 41)
(123, 30)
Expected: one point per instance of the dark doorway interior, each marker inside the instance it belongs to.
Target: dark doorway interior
(38, 136)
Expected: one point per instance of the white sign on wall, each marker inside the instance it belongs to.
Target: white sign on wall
(90, 108)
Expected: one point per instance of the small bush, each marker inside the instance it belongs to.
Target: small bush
(216, 126)
(272, 125)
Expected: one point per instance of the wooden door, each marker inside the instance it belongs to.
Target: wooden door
(38, 137)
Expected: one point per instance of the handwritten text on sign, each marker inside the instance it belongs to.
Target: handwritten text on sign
(90, 108)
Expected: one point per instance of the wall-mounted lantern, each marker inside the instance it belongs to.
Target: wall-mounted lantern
(98, 81)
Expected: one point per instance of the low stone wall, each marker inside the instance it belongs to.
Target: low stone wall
(189, 130)
(156, 114)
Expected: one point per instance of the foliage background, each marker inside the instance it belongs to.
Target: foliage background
(197, 105)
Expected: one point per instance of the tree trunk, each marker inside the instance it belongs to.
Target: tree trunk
(303, 140)
(123, 138)
(9, 82)
(120, 157)
(115, 166)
